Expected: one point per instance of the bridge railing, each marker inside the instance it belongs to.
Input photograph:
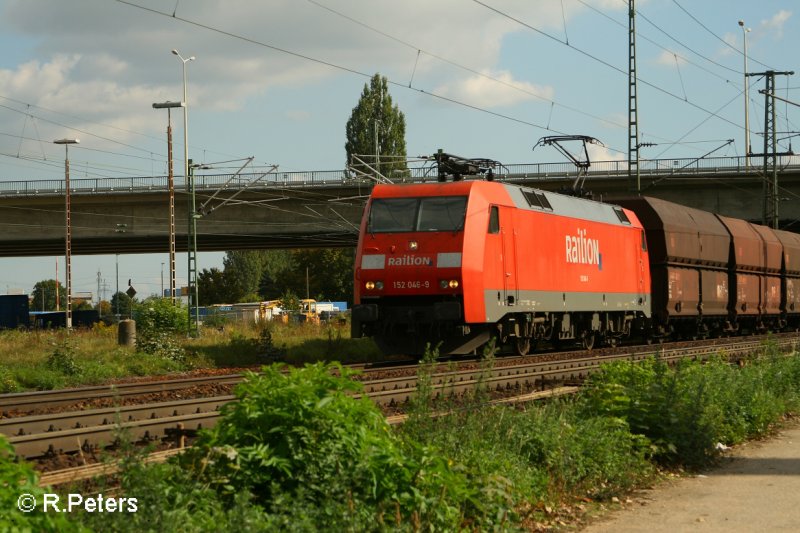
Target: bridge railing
(327, 178)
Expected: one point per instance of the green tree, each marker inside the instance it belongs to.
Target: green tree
(82, 305)
(214, 287)
(244, 271)
(121, 304)
(269, 288)
(330, 274)
(105, 308)
(376, 116)
(289, 301)
(44, 296)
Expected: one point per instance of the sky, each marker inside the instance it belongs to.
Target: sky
(277, 80)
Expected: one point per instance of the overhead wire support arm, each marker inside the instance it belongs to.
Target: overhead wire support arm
(204, 210)
(359, 173)
(692, 162)
(775, 96)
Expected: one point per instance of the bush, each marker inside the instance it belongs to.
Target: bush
(62, 359)
(685, 411)
(160, 315)
(169, 500)
(548, 453)
(163, 345)
(307, 450)
(158, 320)
(17, 478)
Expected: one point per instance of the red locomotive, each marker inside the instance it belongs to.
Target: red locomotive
(456, 263)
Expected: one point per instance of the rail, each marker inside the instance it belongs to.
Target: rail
(39, 435)
(333, 178)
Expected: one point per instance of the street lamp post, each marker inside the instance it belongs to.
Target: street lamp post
(185, 114)
(68, 238)
(171, 186)
(745, 31)
(194, 324)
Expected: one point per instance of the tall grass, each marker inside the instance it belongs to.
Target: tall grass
(50, 359)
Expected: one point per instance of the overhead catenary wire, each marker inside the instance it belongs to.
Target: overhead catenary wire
(531, 123)
(602, 61)
(422, 91)
(639, 35)
(465, 68)
(340, 67)
(723, 41)
(505, 116)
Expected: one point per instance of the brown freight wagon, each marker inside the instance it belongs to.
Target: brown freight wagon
(689, 251)
(790, 278)
(713, 274)
(771, 285)
(746, 266)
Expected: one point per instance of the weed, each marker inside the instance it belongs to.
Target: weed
(266, 344)
(18, 480)
(163, 345)
(62, 359)
(685, 411)
(296, 436)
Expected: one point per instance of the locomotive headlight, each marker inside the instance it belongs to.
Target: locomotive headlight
(453, 283)
(369, 285)
(379, 285)
(413, 245)
(448, 284)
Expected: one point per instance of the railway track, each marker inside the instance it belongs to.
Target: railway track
(42, 400)
(168, 422)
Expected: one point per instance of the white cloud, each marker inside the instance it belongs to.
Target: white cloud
(131, 46)
(599, 153)
(669, 59)
(98, 58)
(774, 25)
(485, 92)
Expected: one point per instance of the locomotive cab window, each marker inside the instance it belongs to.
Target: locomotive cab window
(441, 213)
(494, 220)
(434, 213)
(392, 215)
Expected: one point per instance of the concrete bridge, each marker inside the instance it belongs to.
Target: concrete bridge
(323, 208)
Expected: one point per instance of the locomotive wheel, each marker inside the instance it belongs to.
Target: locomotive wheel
(522, 345)
(587, 340)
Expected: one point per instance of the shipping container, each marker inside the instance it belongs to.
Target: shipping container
(14, 311)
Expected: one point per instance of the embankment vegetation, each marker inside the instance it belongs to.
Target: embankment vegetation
(298, 452)
(43, 359)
